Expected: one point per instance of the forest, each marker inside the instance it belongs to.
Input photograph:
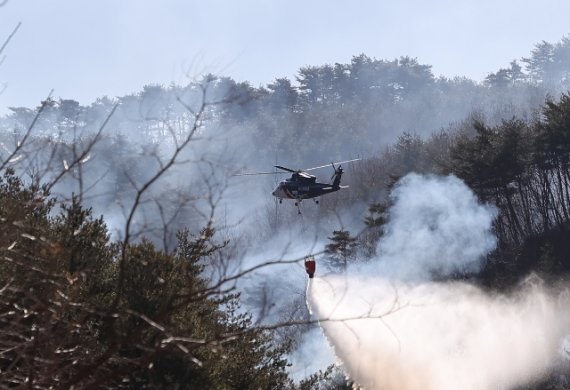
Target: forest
(132, 256)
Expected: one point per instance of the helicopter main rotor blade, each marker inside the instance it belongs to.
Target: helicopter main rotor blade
(293, 170)
(285, 168)
(258, 173)
(328, 165)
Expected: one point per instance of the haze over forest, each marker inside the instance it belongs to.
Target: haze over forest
(133, 256)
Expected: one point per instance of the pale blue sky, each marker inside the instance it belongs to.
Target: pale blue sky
(86, 49)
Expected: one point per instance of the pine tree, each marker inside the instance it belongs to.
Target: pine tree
(341, 249)
(62, 326)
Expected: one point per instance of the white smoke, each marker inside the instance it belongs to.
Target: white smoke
(393, 328)
(436, 225)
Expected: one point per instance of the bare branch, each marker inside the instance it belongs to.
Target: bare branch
(83, 154)
(21, 143)
(9, 36)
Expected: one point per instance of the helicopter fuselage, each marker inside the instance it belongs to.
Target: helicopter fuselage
(303, 186)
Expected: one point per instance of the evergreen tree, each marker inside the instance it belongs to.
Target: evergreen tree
(62, 326)
(341, 249)
(374, 221)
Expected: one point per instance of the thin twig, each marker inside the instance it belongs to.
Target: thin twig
(11, 35)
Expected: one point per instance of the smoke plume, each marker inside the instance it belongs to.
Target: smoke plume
(394, 328)
(437, 226)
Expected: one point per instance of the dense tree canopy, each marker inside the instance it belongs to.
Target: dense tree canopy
(65, 323)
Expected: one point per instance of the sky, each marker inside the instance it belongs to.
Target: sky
(88, 49)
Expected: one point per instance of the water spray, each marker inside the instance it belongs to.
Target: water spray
(394, 328)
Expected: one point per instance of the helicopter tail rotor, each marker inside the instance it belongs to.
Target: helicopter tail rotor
(337, 175)
(334, 174)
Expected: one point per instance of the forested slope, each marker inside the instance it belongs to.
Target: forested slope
(147, 294)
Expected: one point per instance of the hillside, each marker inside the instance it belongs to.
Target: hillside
(132, 256)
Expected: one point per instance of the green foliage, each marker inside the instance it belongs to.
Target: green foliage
(64, 323)
(374, 221)
(333, 378)
(523, 169)
(83, 240)
(377, 215)
(79, 310)
(548, 62)
(505, 78)
(341, 249)
(409, 155)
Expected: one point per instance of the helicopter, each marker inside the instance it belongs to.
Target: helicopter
(302, 185)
